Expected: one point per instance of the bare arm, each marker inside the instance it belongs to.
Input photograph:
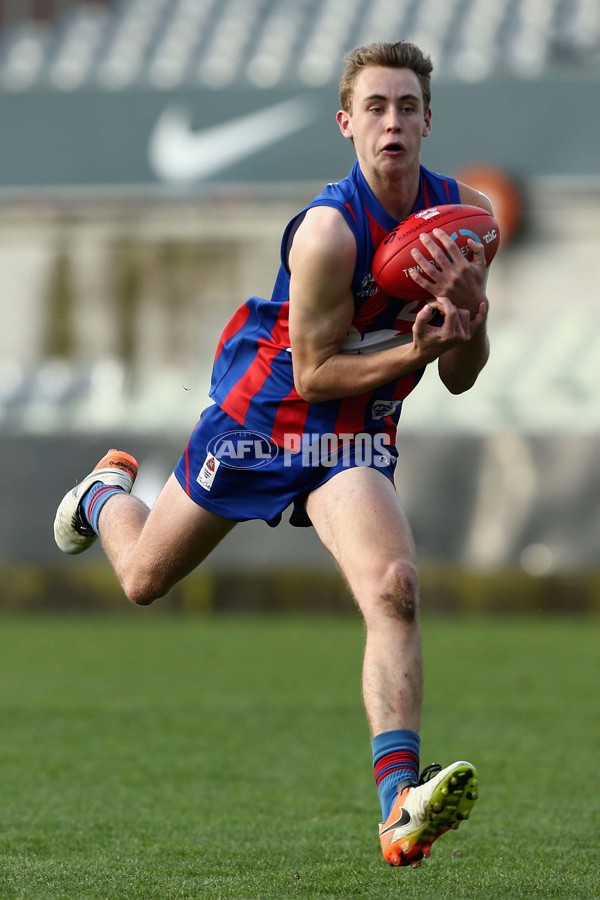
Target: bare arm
(464, 284)
(322, 263)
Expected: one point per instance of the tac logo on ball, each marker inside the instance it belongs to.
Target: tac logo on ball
(243, 449)
(464, 232)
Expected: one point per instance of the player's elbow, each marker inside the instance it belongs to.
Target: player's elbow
(309, 395)
(461, 379)
(457, 388)
(308, 388)
(459, 384)
(459, 371)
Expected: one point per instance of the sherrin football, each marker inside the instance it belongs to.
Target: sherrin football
(393, 261)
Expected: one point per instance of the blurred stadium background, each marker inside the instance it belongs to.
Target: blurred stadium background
(127, 239)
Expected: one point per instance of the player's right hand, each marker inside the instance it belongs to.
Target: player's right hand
(457, 327)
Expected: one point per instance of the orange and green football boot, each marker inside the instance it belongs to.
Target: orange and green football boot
(422, 813)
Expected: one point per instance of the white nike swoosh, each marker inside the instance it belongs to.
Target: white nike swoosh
(178, 154)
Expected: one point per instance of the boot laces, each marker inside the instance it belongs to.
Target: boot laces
(428, 773)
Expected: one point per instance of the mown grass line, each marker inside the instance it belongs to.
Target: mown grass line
(153, 756)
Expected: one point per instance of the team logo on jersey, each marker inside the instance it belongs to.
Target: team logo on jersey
(243, 449)
(368, 287)
(383, 408)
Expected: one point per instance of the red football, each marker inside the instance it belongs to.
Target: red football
(392, 262)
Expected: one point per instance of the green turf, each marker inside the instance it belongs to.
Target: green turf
(145, 755)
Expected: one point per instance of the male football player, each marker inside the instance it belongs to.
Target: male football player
(329, 355)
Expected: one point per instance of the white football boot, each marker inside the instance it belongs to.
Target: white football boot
(424, 812)
(71, 532)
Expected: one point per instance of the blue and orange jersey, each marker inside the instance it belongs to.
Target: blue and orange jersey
(253, 380)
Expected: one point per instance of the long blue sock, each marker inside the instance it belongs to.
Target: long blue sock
(395, 759)
(93, 500)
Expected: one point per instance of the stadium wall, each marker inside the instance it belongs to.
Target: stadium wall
(142, 136)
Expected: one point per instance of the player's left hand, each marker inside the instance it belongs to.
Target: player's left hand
(460, 280)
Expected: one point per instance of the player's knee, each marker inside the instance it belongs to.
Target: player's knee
(399, 591)
(143, 590)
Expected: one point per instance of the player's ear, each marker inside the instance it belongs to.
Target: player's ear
(343, 120)
(427, 123)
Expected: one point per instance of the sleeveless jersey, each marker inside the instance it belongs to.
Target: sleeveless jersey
(252, 379)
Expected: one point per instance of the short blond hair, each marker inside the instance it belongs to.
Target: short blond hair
(398, 55)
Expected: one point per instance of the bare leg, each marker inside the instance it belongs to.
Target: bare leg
(358, 517)
(152, 549)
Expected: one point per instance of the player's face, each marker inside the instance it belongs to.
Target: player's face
(388, 121)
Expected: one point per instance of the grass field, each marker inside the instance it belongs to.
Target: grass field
(154, 756)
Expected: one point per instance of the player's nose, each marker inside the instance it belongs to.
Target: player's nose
(392, 120)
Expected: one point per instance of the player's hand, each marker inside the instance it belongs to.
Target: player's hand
(457, 327)
(452, 275)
